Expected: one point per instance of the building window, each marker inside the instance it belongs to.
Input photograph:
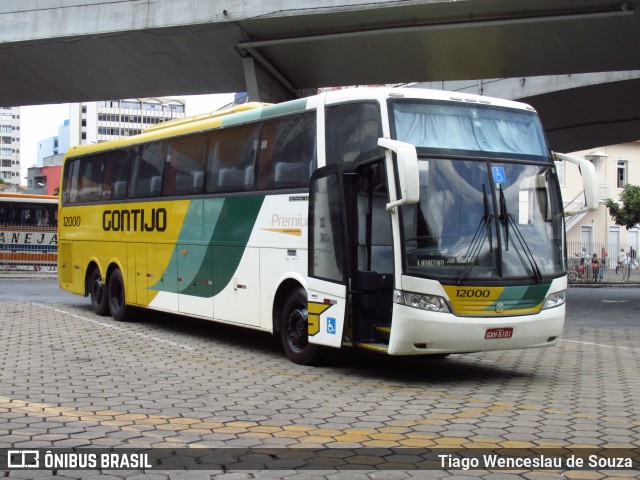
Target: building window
(621, 175)
(130, 104)
(586, 238)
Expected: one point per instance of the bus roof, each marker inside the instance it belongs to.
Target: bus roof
(383, 93)
(206, 116)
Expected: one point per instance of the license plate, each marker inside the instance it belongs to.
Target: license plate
(492, 333)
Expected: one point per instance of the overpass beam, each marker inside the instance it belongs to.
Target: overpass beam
(264, 82)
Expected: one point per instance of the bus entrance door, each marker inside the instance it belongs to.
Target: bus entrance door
(327, 282)
(372, 251)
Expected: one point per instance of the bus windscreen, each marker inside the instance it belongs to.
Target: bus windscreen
(485, 130)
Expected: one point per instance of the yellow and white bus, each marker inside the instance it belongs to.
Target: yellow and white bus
(406, 221)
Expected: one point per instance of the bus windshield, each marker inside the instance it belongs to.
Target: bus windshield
(489, 201)
(484, 219)
(470, 129)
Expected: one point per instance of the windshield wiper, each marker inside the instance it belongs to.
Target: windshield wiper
(507, 219)
(475, 247)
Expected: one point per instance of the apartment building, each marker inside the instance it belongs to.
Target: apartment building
(10, 145)
(94, 122)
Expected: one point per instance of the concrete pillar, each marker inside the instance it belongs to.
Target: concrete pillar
(262, 86)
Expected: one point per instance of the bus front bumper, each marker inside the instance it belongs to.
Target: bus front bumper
(418, 332)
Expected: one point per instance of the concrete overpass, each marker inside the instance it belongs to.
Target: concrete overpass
(71, 50)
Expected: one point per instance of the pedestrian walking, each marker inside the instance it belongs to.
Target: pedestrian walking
(595, 268)
(583, 269)
(621, 258)
(627, 267)
(583, 256)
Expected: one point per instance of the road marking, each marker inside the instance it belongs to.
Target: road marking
(169, 428)
(601, 345)
(395, 434)
(117, 328)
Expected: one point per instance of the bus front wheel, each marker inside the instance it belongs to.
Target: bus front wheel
(117, 301)
(294, 328)
(97, 293)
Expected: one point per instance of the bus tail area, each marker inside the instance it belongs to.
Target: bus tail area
(214, 258)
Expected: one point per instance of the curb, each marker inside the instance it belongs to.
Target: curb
(28, 275)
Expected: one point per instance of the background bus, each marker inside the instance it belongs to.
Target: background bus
(28, 231)
(405, 221)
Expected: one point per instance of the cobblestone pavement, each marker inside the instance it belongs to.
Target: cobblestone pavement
(69, 378)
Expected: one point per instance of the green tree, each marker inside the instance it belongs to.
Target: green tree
(627, 214)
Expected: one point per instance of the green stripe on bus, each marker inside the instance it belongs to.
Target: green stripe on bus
(231, 235)
(299, 105)
(528, 296)
(292, 106)
(205, 270)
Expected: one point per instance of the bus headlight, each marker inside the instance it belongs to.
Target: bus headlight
(554, 300)
(432, 303)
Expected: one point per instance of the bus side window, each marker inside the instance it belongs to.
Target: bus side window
(116, 173)
(91, 173)
(287, 152)
(231, 159)
(352, 132)
(148, 170)
(184, 171)
(71, 179)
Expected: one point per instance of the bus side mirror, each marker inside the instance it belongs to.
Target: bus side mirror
(407, 169)
(589, 178)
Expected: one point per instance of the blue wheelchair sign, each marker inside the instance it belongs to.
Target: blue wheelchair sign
(498, 175)
(331, 325)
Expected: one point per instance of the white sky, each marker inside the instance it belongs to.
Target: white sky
(42, 121)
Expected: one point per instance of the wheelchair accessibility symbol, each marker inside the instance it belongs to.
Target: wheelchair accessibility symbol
(331, 325)
(498, 175)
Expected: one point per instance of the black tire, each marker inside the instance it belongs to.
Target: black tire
(120, 311)
(98, 293)
(293, 323)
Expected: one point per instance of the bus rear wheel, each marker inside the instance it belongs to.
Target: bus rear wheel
(120, 311)
(98, 293)
(294, 330)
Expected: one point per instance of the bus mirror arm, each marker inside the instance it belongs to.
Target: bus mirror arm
(589, 178)
(407, 171)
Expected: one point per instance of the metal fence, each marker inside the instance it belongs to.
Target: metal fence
(28, 248)
(595, 262)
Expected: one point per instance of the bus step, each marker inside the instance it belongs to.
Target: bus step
(378, 347)
(382, 335)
